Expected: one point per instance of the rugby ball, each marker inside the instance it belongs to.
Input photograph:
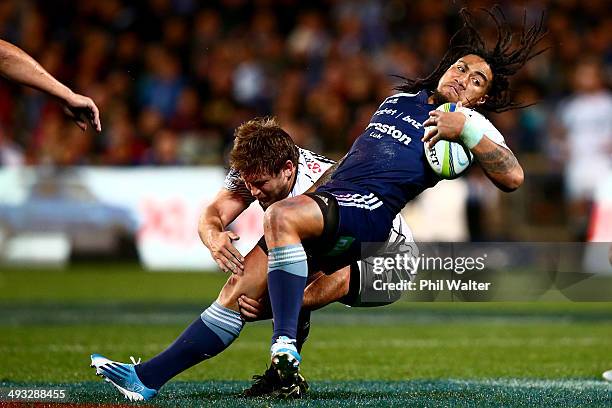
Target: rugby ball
(448, 160)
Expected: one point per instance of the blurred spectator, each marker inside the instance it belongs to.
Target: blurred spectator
(187, 114)
(164, 151)
(10, 153)
(123, 147)
(585, 119)
(309, 39)
(161, 86)
(173, 78)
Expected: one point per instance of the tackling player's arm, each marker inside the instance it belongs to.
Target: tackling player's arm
(215, 218)
(17, 66)
(499, 163)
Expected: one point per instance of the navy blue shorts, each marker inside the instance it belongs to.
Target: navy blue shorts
(351, 220)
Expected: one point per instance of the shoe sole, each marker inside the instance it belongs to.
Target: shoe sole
(304, 387)
(290, 392)
(286, 366)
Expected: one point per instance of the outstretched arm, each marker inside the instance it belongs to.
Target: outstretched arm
(17, 66)
(216, 216)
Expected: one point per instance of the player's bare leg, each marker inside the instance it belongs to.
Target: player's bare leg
(251, 283)
(325, 289)
(292, 220)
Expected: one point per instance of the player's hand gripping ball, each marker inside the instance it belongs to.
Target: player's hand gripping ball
(448, 160)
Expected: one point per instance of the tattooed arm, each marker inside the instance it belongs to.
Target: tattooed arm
(497, 161)
(325, 177)
(499, 164)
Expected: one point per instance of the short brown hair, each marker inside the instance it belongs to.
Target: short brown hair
(261, 147)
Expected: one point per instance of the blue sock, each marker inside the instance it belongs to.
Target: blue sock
(287, 273)
(303, 329)
(206, 337)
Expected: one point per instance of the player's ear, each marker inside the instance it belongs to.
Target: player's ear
(288, 168)
(482, 99)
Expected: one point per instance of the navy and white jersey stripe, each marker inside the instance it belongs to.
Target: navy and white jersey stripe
(368, 202)
(311, 166)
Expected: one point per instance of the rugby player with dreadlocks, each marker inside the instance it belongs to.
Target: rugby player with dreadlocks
(386, 167)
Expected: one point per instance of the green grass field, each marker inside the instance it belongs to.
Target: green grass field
(407, 354)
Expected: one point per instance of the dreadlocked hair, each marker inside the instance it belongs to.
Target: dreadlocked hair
(503, 59)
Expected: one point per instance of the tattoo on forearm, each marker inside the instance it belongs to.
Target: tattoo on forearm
(498, 160)
(325, 177)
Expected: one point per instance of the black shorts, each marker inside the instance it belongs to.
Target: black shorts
(325, 242)
(360, 292)
(326, 252)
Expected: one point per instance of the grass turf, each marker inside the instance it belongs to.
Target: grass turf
(388, 352)
(417, 354)
(414, 393)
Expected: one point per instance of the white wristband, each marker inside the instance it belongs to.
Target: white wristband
(471, 134)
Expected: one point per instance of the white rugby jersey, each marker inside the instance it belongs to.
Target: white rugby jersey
(311, 166)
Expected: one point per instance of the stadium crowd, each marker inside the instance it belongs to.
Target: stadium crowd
(173, 78)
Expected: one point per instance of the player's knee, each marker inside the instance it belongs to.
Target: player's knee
(277, 219)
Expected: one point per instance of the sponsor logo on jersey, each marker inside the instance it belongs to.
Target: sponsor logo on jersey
(385, 112)
(392, 131)
(314, 167)
(413, 122)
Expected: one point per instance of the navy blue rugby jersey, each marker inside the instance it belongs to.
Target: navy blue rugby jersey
(388, 158)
